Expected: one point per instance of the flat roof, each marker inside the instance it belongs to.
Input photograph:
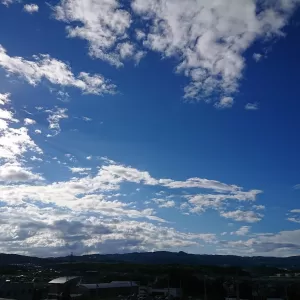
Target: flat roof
(113, 284)
(63, 280)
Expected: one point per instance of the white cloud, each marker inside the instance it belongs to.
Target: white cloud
(87, 119)
(251, 106)
(294, 220)
(4, 98)
(295, 216)
(14, 172)
(257, 57)
(28, 121)
(81, 171)
(244, 230)
(8, 2)
(198, 183)
(35, 230)
(89, 157)
(240, 215)
(211, 36)
(54, 118)
(103, 25)
(31, 8)
(34, 158)
(225, 102)
(55, 71)
(297, 187)
(259, 207)
(37, 131)
(14, 141)
(208, 39)
(201, 202)
(164, 203)
(284, 243)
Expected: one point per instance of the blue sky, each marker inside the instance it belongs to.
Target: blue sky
(127, 126)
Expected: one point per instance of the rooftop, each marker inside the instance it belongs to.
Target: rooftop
(113, 284)
(63, 280)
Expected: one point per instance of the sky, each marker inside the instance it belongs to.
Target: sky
(142, 125)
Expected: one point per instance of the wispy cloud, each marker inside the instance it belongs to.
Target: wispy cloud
(251, 106)
(225, 102)
(43, 66)
(242, 216)
(242, 231)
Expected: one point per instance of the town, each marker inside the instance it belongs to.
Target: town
(126, 281)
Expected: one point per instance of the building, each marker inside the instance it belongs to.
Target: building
(108, 290)
(64, 287)
(22, 290)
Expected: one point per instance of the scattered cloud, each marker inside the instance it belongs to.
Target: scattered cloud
(14, 172)
(257, 57)
(294, 220)
(242, 216)
(259, 207)
(297, 187)
(31, 8)
(54, 118)
(201, 202)
(43, 66)
(208, 39)
(103, 25)
(164, 203)
(242, 231)
(87, 119)
(14, 140)
(81, 171)
(37, 131)
(28, 121)
(34, 158)
(251, 106)
(284, 243)
(225, 102)
(4, 98)
(8, 2)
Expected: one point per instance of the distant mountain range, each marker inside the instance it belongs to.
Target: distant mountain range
(161, 257)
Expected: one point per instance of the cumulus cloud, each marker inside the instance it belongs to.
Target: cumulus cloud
(28, 121)
(225, 102)
(14, 140)
(80, 171)
(199, 203)
(36, 231)
(251, 106)
(31, 8)
(8, 2)
(257, 57)
(55, 115)
(208, 39)
(87, 119)
(164, 203)
(14, 172)
(43, 66)
(244, 230)
(4, 98)
(284, 243)
(103, 25)
(242, 216)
